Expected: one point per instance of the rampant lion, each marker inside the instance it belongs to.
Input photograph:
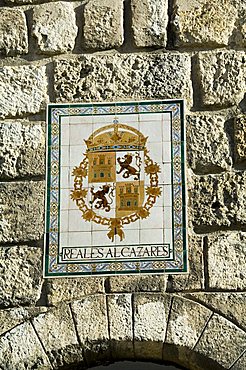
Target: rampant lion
(100, 197)
(125, 166)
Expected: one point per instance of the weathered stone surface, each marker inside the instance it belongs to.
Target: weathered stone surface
(20, 275)
(240, 364)
(240, 139)
(218, 201)
(13, 32)
(23, 90)
(150, 323)
(186, 323)
(222, 341)
(56, 331)
(149, 22)
(22, 150)
(54, 27)
(231, 305)
(226, 261)
(221, 77)
(20, 349)
(21, 211)
(120, 325)
(11, 317)
(103, 24)
(194, 280)
(151, 283)
(207, 144)
(109, 77)
(90, 315)
(202, 22)
(70, 289)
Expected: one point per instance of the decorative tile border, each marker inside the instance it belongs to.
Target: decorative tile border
(64, 258)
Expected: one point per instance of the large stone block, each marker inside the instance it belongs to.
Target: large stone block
(22, 150)
(207, 144)
(150, 283)
(202, 22)
(240, 364)
(226, 261)
(13, 32)
(222, 341)
(23, 90)
(54, 27)
(120, 325)
(90, 316)
(186, 322)
(194, 280)
(240, 139)
(149, 22)
(230, 305)
(150, 322)
(103, 24)
(21, 349)
(218, 201)
(56, 331)
(109, 77)
(222, 77)
(22, 211)
(70, 289)
(11, 317)
(20, 275)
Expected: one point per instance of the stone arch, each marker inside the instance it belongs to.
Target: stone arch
(107, 328)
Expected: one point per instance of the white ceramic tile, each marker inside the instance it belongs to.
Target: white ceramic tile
(65, 120)
(155, 151)
(64, 221)
(76, 154)
(77, 239)
(64, 199)
(65, 134)
(166, 130)
(147, 236)
(167, 195)
(79, 133)
(100, 238)
(168, 237)
(165, 175)
(168, 218)
(78, 120)
(131, 238)
(66, 178)
(152, 130)
(64, 158)
(166, 152)
(149, 117)
(155, 219)
(76, 222)
(64, 239)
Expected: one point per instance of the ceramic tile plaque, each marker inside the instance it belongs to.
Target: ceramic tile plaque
(115, 192)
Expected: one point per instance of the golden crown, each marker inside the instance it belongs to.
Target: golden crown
(116, 137)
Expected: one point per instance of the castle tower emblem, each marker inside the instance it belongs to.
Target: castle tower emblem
(117, 182)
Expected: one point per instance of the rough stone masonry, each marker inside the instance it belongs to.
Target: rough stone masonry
(78, 51)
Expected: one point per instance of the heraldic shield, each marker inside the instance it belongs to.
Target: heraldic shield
(117, 182)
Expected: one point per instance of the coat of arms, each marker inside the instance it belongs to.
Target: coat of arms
(116, 183)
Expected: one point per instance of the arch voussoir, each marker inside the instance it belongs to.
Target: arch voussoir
(55, 329)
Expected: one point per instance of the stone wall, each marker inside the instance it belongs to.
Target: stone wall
(102, 50)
